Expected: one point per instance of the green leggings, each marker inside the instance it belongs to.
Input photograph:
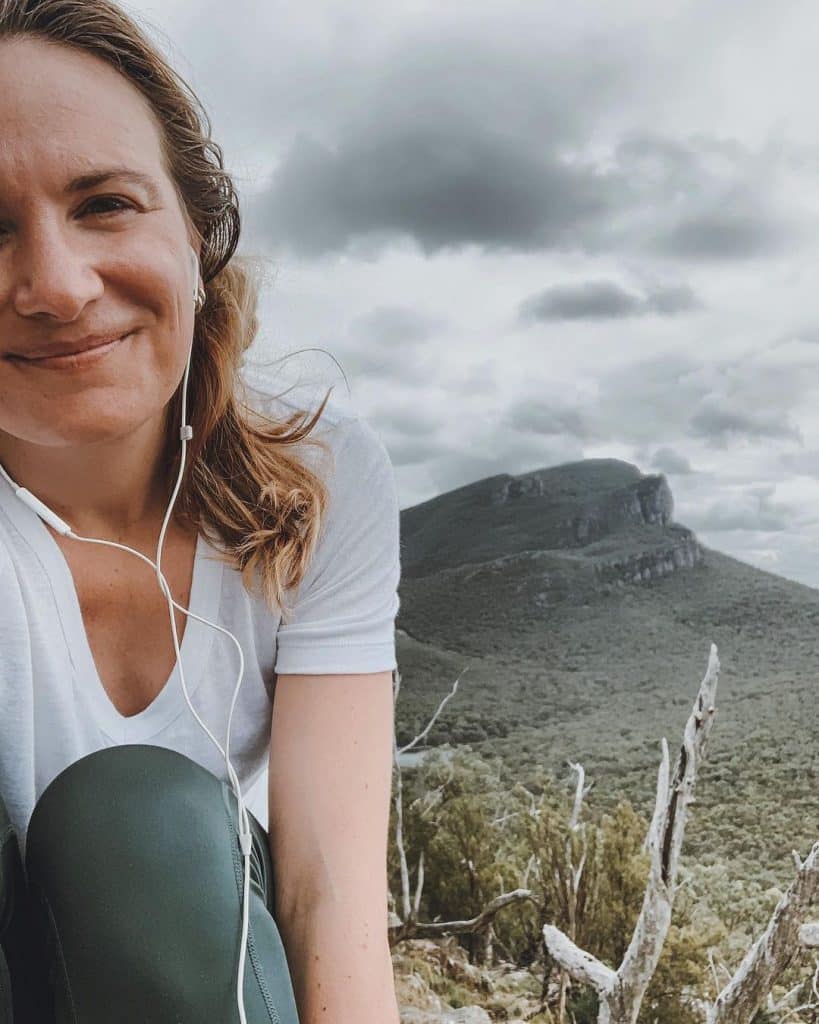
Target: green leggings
(130, 905)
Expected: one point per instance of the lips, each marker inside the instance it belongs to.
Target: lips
(69, 348)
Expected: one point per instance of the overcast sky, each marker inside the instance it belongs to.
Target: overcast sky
(534, 233)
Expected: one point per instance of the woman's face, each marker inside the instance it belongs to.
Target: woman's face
(80, 259)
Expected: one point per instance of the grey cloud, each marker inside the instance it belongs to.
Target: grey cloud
(386, 361)
(407, 451)
(752, 510)
(804, 463)
(749, 396)
(450, 179)
(604, 300)
(458, 183)
(808, 333)
(719, 419)
(420, 434)
(726, 234)
(445, 187)
(411, 421)
(493, 454)
(672, 300)
(407, 144)
(394, 325)
(549, 417)
(649, 400)
(330, 72)
(456, 132)
(704, 199)
(475, 379)
(590, 300)
(667, 460)
(407, 348)
(388, 343)
(410, 432)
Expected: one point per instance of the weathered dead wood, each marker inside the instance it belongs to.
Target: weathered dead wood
(473, 925)
(809, 934)
(773, 951)
(621, 991)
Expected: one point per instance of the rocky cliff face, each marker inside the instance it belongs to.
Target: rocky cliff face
(601, 520)
(596, 510)
(684, 552)
(600, 499)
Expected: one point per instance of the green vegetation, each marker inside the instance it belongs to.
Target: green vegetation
(479, 828)
(601, 681)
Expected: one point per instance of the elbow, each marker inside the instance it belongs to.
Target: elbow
(306, 890)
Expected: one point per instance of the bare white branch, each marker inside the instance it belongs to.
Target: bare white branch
(578, 794)
(473, 924)
(423, 735)
(580, 964)
(772, 952)
(621, 992)
(420, 885)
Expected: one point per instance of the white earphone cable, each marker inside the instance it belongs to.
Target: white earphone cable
(244, 834)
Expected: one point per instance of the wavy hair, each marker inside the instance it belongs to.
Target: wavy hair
(241, 481)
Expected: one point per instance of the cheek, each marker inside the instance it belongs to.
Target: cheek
(170, 307)
(160, 370)
(152, 368)
(158, 286)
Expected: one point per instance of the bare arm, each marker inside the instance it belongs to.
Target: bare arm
(329, 800)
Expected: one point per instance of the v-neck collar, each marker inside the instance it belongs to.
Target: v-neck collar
(206, 586)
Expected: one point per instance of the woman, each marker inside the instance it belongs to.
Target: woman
(107, 180)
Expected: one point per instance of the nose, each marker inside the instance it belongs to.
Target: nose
(53, 275)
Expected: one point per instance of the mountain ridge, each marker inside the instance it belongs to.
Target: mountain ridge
(567, 664)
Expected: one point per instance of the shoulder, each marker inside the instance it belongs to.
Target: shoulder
(355, 449)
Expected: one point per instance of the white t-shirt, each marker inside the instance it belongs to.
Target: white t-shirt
(53, 707)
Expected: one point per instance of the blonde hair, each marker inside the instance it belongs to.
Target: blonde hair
(241, 481)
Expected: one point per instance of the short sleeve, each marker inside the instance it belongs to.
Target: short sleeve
(343, 612)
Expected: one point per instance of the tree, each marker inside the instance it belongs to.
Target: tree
(621, 991)
(459, 826)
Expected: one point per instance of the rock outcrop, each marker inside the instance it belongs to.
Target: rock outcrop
(599, 497)
(637, 567)
(601, 522)
(502, 992)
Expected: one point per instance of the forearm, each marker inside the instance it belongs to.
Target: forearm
(340, 966)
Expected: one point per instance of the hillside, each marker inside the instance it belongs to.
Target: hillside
(585, 615)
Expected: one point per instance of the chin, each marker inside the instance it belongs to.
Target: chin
(90, 423)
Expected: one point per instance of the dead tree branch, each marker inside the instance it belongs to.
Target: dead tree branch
(437, 929)
(621, 991)
(773, 951)
(410, 926)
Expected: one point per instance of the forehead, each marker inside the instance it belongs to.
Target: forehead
(64, 113)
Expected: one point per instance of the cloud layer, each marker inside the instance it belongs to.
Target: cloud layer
(543, 233)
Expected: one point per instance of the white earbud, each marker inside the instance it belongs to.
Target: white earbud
(194, 270)
(198, 289)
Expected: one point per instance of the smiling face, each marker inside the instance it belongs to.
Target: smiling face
(99, 259)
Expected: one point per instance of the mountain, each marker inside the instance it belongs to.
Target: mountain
(585, 615)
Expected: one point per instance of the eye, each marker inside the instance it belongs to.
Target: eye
(122, 204)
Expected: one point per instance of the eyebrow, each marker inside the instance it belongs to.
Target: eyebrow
(100, 177)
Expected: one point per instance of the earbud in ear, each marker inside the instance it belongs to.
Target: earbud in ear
(199, 295)
(194, 270)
